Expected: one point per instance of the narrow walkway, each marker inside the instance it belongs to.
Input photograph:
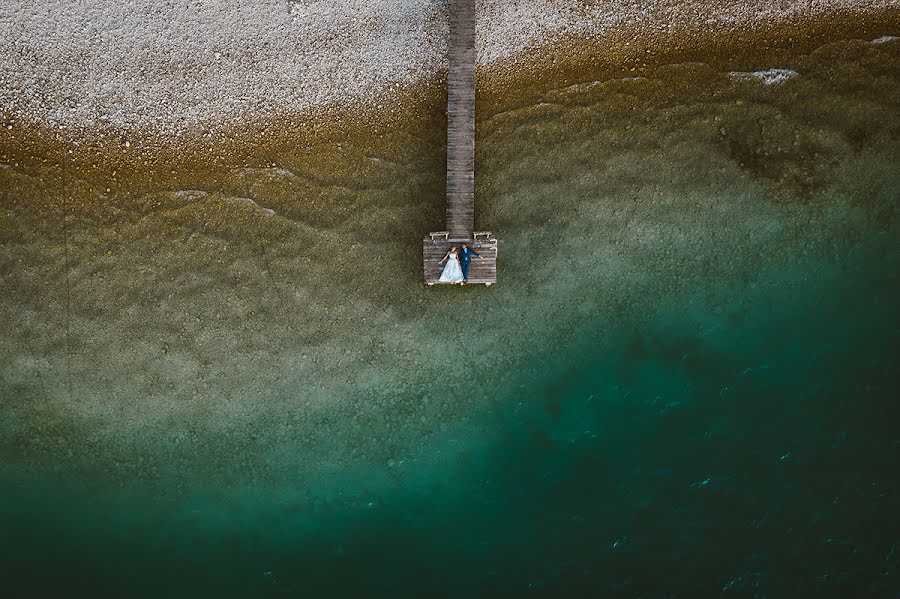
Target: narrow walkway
(461, 158)
(461, 120)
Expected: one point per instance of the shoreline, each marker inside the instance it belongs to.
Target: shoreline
(573, 59)
(566, 56)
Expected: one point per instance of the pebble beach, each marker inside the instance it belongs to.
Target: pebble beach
(175, 67)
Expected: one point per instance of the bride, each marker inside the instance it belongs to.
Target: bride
(452, 272)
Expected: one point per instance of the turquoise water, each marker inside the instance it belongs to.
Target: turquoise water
(684, 383)
(753, 452)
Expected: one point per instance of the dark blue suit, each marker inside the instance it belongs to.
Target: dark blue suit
(465, 256)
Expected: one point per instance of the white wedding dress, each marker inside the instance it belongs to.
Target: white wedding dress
(452, 270)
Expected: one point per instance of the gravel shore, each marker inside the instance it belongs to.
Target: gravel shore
(173, 67)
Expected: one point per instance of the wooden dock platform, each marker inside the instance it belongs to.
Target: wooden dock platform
(461, 156)
(482, 270)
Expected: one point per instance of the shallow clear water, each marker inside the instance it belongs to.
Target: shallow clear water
(683, 384)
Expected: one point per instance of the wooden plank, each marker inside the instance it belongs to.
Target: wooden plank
(461, 120)
(461, 158)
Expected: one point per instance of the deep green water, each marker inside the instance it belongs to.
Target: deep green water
(684, 384)
(752, 452)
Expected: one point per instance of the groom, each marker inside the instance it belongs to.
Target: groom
(465, 256)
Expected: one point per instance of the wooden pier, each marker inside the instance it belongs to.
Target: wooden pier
(461, 158)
